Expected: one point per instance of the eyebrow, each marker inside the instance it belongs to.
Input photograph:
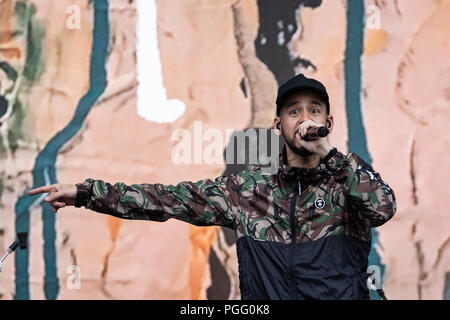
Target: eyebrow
(314, 101)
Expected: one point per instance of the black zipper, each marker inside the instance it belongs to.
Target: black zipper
(291, 265)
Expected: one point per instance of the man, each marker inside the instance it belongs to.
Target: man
(302, 233)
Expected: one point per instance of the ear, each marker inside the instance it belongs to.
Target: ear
(276, 126)
(330, 123)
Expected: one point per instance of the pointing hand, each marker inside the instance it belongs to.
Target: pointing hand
(61, 195)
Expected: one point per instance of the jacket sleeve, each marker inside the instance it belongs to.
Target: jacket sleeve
(203, 203)
(367, 194)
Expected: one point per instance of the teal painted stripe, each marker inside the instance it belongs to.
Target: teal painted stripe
(353, 91)
(44, 171)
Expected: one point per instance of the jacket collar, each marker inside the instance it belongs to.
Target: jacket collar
(308, 174)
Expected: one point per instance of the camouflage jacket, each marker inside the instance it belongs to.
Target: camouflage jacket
(301, 233)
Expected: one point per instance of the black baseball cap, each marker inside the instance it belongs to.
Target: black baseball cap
(298, 83)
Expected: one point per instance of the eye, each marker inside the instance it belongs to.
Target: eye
(293, 111)
(315, 110)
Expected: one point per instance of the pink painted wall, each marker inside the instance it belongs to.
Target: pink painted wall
(206, 49)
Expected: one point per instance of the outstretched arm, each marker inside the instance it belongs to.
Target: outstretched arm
(205, 202)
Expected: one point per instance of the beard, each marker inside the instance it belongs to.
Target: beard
(301, 151)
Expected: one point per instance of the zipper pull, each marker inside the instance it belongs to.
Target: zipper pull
(299, 188)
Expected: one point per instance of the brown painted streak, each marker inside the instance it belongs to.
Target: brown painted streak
(397, 8)
(413, 229)
(6, 20)
(202, 239)
(422, 273)
(402, 105)
(73, 256)
(116, 94)
(11, 53)
(6, 36)
(227, 257)
(241, 43)
(114, 228)
(65, 238)
(441, 249)
(254, 71)
(406, 59)
(380, 3)
(105, 272)
(412, 174)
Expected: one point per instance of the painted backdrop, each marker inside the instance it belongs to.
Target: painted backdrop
(97, 89)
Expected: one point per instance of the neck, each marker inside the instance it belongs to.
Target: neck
(295, 160)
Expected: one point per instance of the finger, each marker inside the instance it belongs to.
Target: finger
(309, 124)
(58, 204)
(55, 208)
(43, 189)
(303, 128)
(303, 131)
(304, 144)
(307, 127)
(53, 196)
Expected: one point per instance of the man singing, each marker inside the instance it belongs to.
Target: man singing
(302, 233)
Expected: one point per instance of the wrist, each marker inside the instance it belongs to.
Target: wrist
(83, 194)
(335, 161)
(323, 153)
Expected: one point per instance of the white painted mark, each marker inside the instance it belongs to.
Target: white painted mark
(153, 104)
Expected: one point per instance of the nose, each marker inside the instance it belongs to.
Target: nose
(303, 117)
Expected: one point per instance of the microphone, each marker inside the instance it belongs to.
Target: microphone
(315, 133)
(373, 284)
(22, 243)
(11, 248)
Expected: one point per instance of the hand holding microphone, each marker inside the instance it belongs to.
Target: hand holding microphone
(309, 136)
(313, 133)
